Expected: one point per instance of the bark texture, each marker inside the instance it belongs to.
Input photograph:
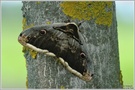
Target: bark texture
(101, 43)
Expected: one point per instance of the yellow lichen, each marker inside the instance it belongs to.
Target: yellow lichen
(33, 53)
(25, 26)
(48, 22)
(38, 2)
(24, 23)
(25, 49)
(26, 82)
(121, 81)
(62, 87)
(100, 11)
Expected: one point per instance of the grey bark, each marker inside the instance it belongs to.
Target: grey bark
(102, 46)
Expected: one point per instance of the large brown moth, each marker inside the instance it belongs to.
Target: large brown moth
(60, 40)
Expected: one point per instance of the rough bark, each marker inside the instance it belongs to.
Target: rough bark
(102, 46)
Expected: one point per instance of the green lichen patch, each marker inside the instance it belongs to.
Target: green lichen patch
(100, 11)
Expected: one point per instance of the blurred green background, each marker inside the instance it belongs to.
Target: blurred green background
(13, 62)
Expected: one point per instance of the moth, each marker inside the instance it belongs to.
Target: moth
(60, 40)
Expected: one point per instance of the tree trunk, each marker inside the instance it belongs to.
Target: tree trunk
(101, 43)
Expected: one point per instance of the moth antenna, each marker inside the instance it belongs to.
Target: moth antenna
(79, 24)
